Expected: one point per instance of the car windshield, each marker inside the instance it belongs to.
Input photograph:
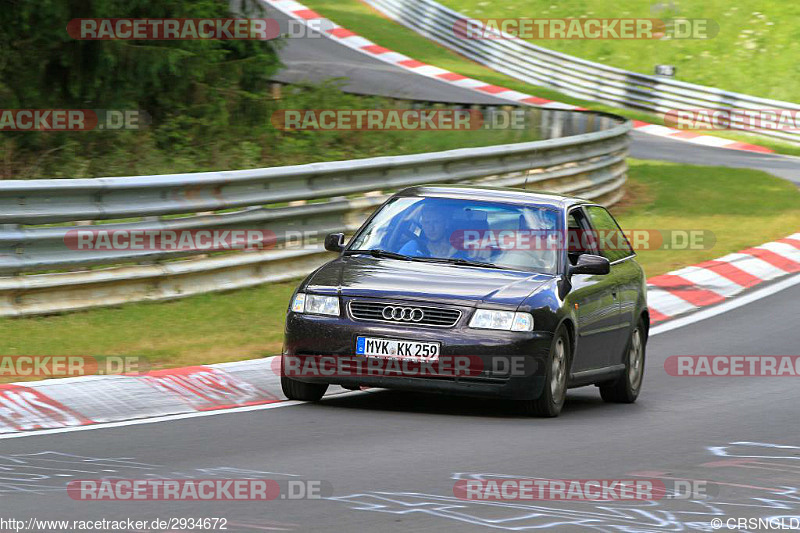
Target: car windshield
(502, 235)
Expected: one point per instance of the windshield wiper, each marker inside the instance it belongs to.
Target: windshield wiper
(379, 253)
(451, 260)
(459, 261)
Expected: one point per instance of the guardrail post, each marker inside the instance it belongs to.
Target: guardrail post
(17, 249)
(275, 91)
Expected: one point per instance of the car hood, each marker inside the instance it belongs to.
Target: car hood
(360, 276)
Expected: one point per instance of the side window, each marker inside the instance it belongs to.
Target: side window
(611, 241)
(578, 233)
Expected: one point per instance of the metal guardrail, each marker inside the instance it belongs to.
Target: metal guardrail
(571, 75)
(36, 215)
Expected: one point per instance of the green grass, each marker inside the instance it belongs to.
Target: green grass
(100, 153)
(367, 22)
(755, 51)
(741, 207)
(207, 328)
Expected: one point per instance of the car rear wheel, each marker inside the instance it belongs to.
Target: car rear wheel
(554, 392)
(298, 390)
(626, 388)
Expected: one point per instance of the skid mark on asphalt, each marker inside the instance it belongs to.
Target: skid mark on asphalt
(50, 471)
(641, 516)
(740, 499)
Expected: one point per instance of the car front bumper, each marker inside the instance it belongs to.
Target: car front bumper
(504, 364)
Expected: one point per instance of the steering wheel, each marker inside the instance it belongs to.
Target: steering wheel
(409, 235)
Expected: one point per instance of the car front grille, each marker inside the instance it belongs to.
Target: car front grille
(404, 313)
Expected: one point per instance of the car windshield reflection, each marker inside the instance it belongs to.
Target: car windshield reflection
(463, 232)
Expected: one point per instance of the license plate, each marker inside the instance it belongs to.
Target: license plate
(397, 349)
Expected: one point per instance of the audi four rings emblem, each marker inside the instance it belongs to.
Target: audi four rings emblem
(404, 314)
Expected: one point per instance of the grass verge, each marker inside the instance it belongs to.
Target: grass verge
(367, 22)
(741, 207)
(256, 144)
(754, 35)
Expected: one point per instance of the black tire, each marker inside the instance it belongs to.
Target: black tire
(299, 390)
(554, 392)
(626, 388)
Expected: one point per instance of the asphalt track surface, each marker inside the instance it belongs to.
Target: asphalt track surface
(392, 458)
(316, 60)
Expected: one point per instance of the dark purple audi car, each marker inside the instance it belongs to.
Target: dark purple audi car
(530, 293)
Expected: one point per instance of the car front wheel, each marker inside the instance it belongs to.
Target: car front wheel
(299, 390)
(554, 392)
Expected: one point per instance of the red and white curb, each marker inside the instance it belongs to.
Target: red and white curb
(87, 400)
(56, 403)
(711, 282)
(80, 401)
(343, 36)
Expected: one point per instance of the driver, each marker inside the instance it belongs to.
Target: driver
(434, 240)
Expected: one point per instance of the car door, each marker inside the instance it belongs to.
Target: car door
(625, 273)
(594, 300)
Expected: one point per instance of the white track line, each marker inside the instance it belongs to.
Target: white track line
(168, 418)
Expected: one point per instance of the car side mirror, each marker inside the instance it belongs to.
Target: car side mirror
(334, 242)
(590, 264)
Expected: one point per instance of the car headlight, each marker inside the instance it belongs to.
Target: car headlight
(315, 304)
(506, 320)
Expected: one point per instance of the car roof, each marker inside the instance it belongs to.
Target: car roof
(497, 194)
